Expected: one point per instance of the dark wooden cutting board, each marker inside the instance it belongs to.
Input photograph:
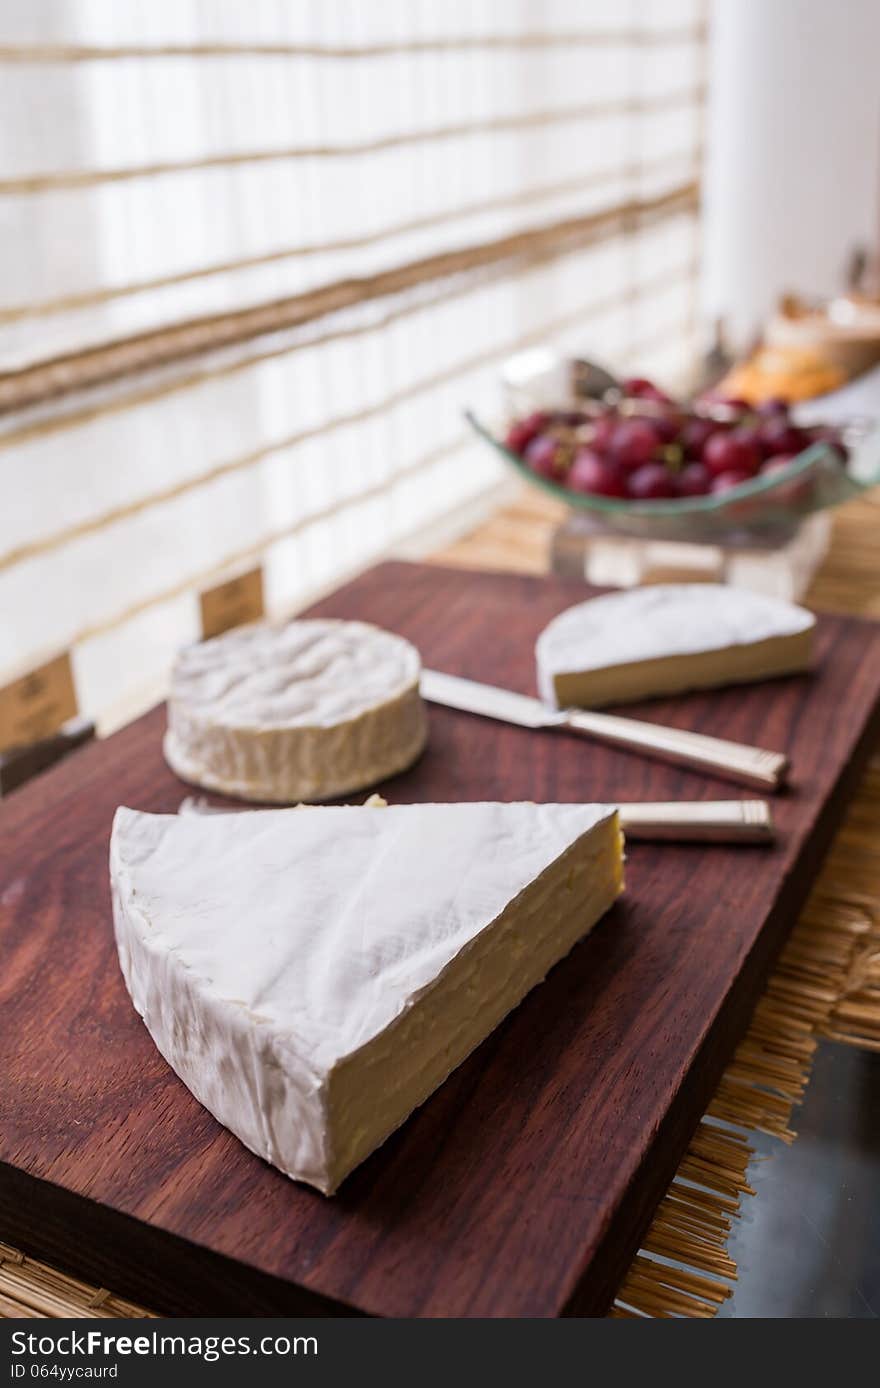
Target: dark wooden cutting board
(523, 1186)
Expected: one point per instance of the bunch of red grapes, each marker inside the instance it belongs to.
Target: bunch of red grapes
(648, 447)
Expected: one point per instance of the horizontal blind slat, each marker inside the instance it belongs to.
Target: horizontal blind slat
(540, 192)
(29, 184)
(577, 38)
(99, 365)
(467, 363)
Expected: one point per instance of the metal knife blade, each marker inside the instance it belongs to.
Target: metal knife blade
(487, 699)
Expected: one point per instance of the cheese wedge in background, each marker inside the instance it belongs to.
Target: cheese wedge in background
(314, 974)
(641, 643)
(306, 710)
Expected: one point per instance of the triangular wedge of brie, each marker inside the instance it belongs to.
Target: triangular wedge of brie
(314, 974)
(642, 643)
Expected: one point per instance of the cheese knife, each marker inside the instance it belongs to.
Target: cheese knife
(678, 821)
(735, 761)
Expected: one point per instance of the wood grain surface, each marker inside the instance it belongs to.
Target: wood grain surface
(524, 1184)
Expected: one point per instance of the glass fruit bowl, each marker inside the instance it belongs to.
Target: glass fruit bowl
(763, 510)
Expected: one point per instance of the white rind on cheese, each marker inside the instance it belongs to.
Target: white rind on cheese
(666, 638)
(304, 711)
(313, 974)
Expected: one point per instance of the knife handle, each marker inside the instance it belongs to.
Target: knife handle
(699, 821)
(752, 766)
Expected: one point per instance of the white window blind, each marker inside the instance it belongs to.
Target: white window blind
(258, 259)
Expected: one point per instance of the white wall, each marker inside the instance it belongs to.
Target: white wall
(793, 150)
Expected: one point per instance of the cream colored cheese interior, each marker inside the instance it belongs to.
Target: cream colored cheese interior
(675, 674)
(312, 975)
(665, 639)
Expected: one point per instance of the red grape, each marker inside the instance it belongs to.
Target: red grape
(634, 442)
(732, 451)
(695, 432)
(635, 386)
(603, 431)
(693, 480)
(522, 431)
(753, 434)
(667, 426)
(543, 456)
(638, 388)
(779, 436)
(651, 482)
(594, 474)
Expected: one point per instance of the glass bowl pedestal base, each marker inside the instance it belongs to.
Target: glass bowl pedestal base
(780, 566)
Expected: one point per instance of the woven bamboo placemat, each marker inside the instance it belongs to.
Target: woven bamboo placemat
(826, 984)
